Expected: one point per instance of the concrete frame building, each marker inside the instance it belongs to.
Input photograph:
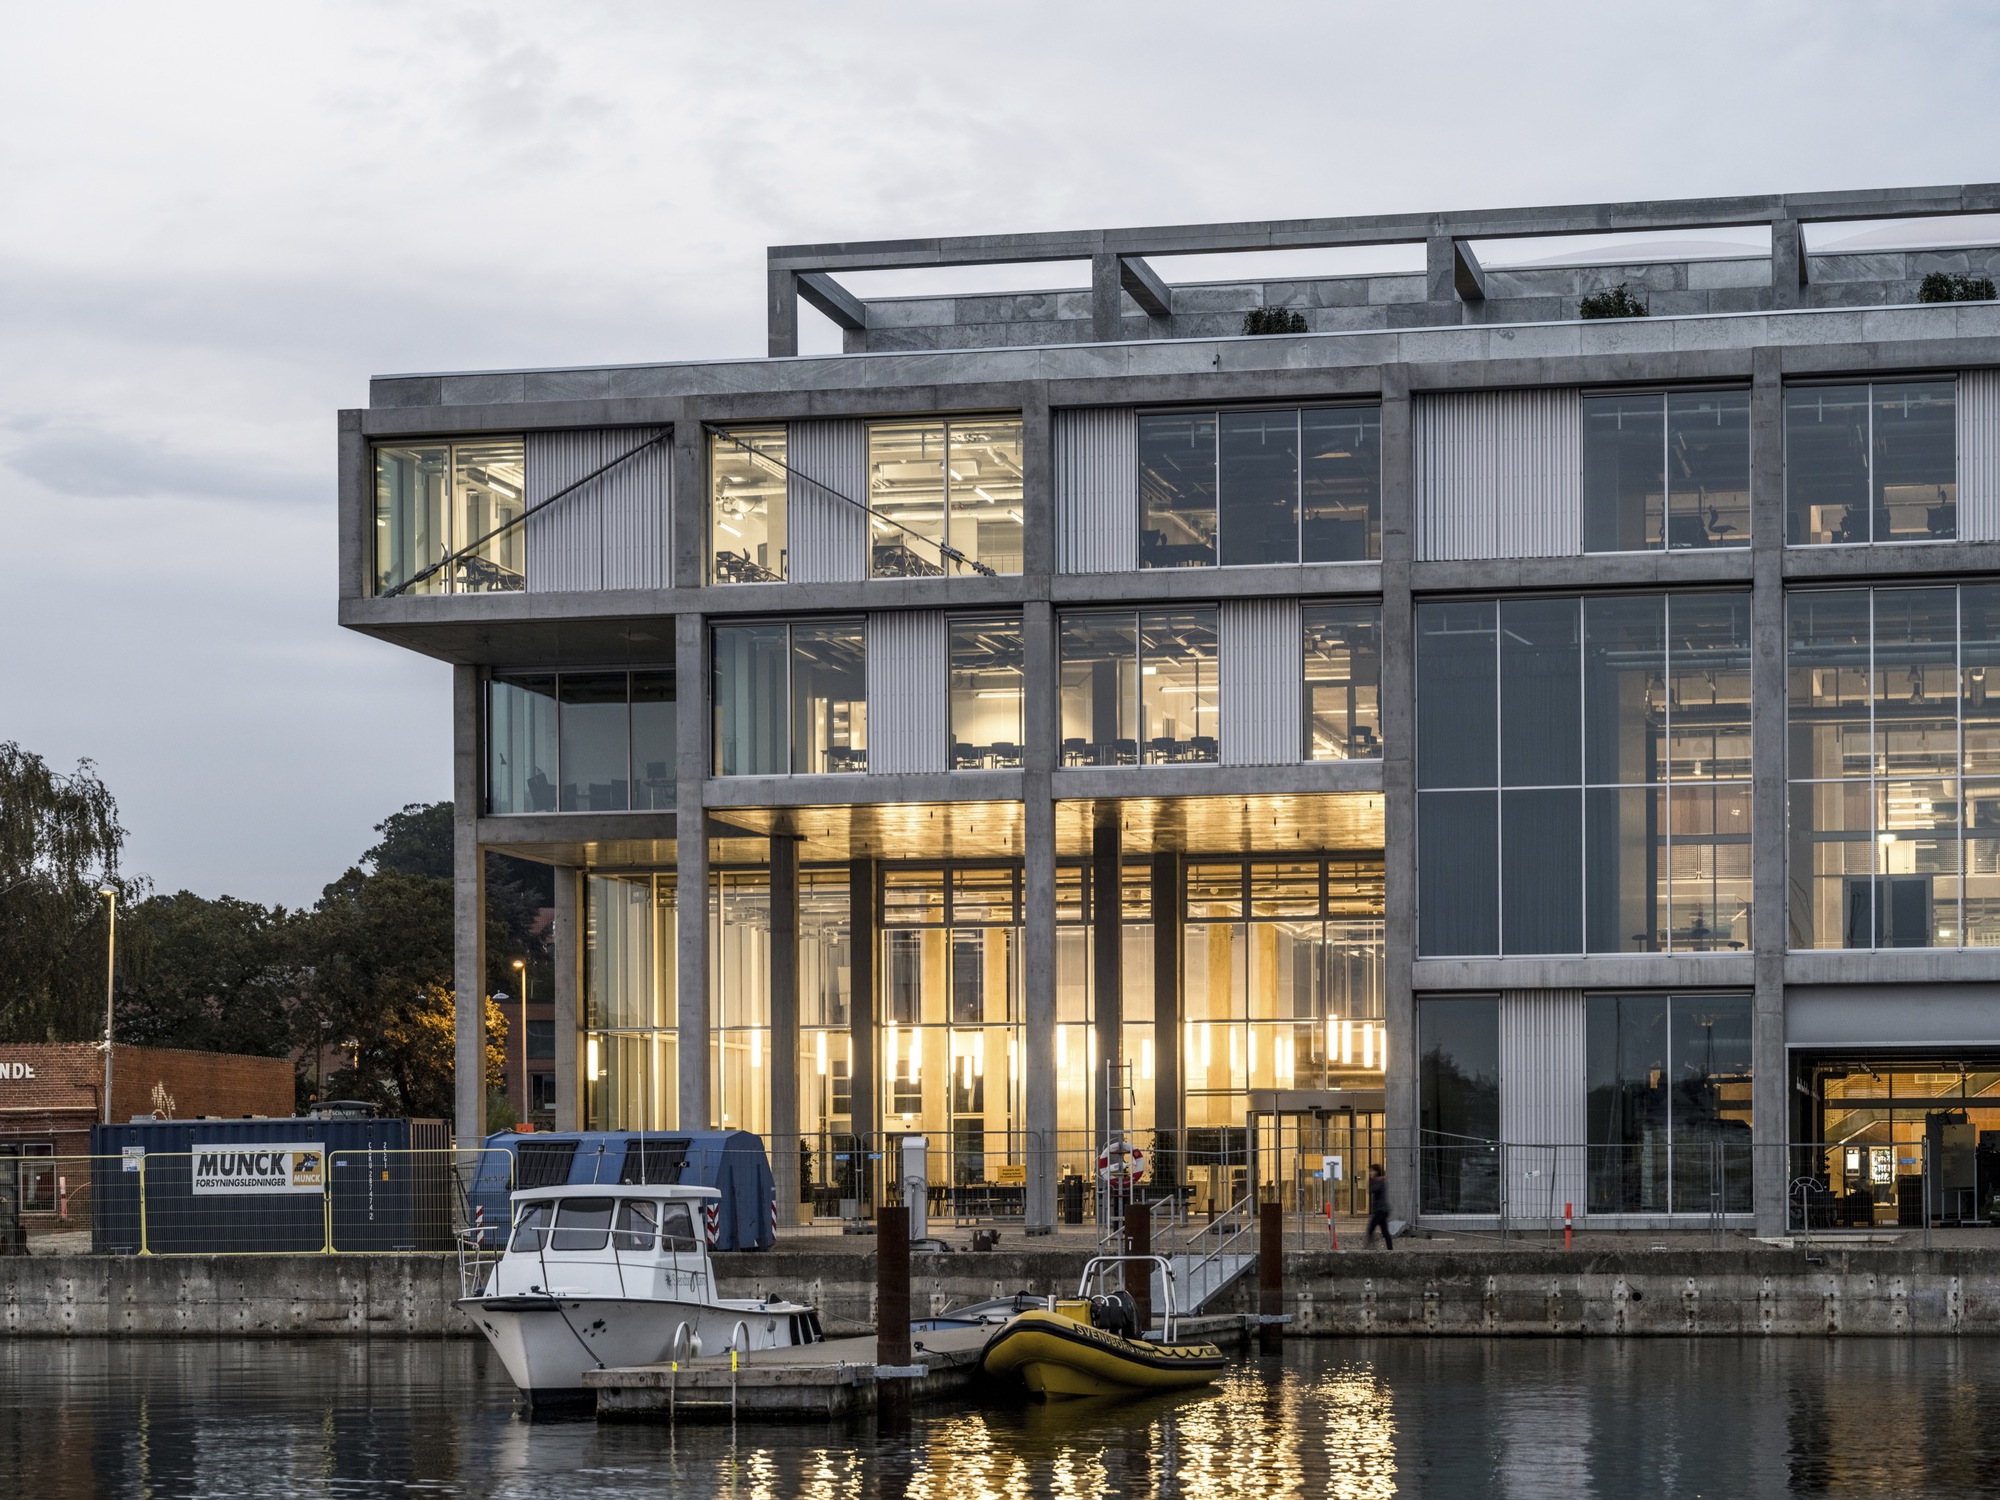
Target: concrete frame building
(1545, 754)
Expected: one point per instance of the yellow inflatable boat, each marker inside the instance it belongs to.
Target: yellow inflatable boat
(1059, 1353)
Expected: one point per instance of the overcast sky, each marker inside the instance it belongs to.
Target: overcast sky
(216, 221)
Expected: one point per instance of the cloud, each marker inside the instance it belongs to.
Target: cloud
(94, 464)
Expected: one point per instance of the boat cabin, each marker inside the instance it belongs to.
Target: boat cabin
(608, 1241)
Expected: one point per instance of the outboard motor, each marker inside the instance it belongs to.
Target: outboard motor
(1115, 1312)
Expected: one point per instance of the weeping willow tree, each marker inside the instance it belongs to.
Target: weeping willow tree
(59, 842)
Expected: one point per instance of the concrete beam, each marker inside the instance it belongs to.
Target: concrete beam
(1143, 284)
(1107, 299)
(781, 312)
(1468, 276)
(833, 299)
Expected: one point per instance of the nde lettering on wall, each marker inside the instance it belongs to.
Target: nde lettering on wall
(14, 1070)
(260, 1167)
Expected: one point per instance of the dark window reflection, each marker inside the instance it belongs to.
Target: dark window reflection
(1458, 1104)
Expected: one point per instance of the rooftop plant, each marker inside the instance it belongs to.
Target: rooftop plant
(1949, 286)
(1274, 320)
(1616, 303)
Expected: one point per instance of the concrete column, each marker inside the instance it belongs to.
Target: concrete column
(566, 958)
(1398, 707)
(1107, 299)
(783, 1056)
(1168, 1046)
(864, 928)
(1038, 839)
(691, 926)
(468, 914)
(689, 518)
(782, 313)
(1439, 291)
(1769, 1088)
(1107, 975)
(1038, 490)
(1788, 269)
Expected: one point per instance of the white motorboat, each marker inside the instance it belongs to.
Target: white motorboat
(602, 1277)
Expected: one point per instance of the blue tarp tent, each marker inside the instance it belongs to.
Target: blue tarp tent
(730, 1161)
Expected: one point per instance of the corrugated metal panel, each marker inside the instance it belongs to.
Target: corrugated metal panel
(615, 532)
(1979, 455)
(907, 720)
(1097, 490)
(1499, 474)
(1260, 650)
(829, 539)
(1541, 1100)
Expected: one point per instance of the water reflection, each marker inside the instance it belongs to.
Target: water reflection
(1343, 1419)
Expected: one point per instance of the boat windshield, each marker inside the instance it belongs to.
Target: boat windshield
(676, 1227)
(582, 1224)
(635, 1224)
(531, 1227)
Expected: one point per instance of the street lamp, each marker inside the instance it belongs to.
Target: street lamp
(527, 1099)
(110, 895)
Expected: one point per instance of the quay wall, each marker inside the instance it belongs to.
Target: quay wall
(1841, 1291)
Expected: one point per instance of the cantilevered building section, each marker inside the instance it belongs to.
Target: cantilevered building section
(1552, 756)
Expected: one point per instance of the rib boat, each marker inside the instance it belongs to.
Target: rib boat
(1093, 1346)
(607, 1276)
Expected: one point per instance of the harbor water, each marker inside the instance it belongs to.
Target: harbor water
(1543, 1418)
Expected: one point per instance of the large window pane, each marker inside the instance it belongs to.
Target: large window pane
(1457, 711)
(1832, 860)
(829, 697)
(1709, 899)
(1541, 871)
(1708, 468)
(746, 472)
(1826, 464)
(618, 968)
(1258, 458)
(1458, 1103)
(1340, 483)
(1916, 681)
(490, 488)
(1710, 1051)
(1343, 675)
(906, 485)
(654, 715)
(751, 717)
(412, 522)
(1624, 472)
(1624, 688)
(986, 667)
(1100, 688)
(1458, 857)
(1541, 695)
(1177, 490)
(1916, 846)
(1625, 869)
(1827, 699)
(521, 744)
(984, 488)
(1979, 665)
(1708, 686)
(1916, 461)
(1626, 1103)
(594, 737)
(1177, 687)
(1981, 877)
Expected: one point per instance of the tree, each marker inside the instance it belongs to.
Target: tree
(212, 976)
(1616, 303)
(59, 841)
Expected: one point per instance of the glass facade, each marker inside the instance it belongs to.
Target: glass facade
(1668, 1104)
(1871, 462)
(1081, 1075)
(1666, 469)
(1583, 774)
(1248, 488)
(1138, 686)
(1458, 1104)
(946, 497)
(580, 741)
(451, 500)
(791, 698)
(1868, 1121)
(747, 508)
(987, 663)
(1894, 759)
(1343, 681)
(631, 1078)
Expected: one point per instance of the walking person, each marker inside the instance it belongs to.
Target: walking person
(1378, 1205)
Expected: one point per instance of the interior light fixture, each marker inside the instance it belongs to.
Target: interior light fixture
(590, 1059)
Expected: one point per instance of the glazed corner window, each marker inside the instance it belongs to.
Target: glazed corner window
(791, 699)
(1343, 666)
(1666, 469)
(1138, 687)
(986, 658)
(1871, 462)
(945, 497)
(447, 517)
(1247, 488)
(746, 505)
(579, 741)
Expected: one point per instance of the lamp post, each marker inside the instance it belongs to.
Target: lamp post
(527, 1099)
(110, 895)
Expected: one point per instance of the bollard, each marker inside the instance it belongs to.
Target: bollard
(1139, 1274)
(1566, 1225)
(1332, 1230)
(62, 1189)
(1270, 1277)
(892, 1308)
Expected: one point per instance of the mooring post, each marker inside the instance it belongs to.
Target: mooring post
(892, 1308)
(1139, 1273)
(1270, 1277)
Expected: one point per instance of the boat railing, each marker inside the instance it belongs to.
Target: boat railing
(477, 1258)
(1097, 1265)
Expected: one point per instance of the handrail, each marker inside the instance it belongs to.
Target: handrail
(1097, 1265)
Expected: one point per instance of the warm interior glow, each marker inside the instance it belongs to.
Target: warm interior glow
(756, 1049)
(590, 1059)
(820, 1054)
(1146, 1057)
(1367, 1044)
(1062, 1047)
